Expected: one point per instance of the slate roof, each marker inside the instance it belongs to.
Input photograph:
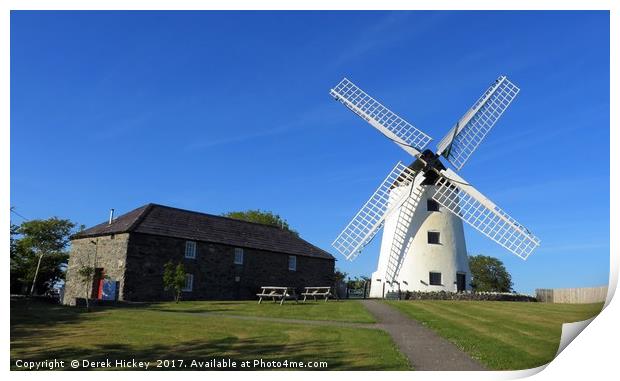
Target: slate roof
(167, 221)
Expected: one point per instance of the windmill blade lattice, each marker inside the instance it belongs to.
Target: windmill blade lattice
(464, 138)
(481, 213)
(402, 240)
(392, 192)
(380, 117)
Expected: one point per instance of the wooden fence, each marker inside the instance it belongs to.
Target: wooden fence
(572, 295)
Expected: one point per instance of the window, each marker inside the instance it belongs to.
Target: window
(190, 249)
(432, 205)
(292, 263)
(433, 238)
(238, 256)
(189, 283)
(434, 279)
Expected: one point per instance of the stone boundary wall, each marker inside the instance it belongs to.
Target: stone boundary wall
(444, 295)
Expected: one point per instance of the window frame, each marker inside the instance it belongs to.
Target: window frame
(430, 201)
(294, 262)
(191, 283)
(430, 233)
(238, 250)
(193, 250)
(456, 280)
(430, 278)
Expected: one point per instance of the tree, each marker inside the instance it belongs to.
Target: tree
(489, 274)
(174, 279)
(339, 281)
(340, 276)
(261, 217)
(357, 283)
(38, 253)
(85, 275)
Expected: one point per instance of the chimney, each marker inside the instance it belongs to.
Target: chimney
(111, 216)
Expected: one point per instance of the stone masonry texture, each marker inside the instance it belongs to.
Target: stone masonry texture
(137, 260)
(107, 252)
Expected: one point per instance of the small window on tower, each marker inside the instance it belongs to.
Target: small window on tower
(432, 205)
(433, 238)
(434, 279)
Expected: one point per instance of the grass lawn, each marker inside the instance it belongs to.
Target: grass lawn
(502, 335)
(346, 310)
(42, 331)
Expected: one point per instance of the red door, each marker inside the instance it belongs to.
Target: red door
(97, 283)
(100, 289)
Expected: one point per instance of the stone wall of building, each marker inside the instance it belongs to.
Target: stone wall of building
(215, 274)
(107, 252)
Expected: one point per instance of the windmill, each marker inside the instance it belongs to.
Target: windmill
(421, 206)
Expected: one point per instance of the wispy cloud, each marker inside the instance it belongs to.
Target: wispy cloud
(209, 143)
(536, 135)
(574, 247)
(549, 186)
(387, 30)
(311, 118)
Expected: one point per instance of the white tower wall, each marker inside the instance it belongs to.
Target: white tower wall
(405, 245)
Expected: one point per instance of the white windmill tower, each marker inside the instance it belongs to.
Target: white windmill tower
(421, 206)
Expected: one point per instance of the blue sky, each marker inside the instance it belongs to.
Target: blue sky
(228, 111)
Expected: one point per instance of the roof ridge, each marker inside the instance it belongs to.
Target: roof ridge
(223, 217)
(171, 221)
(296, 236)
(147, 209)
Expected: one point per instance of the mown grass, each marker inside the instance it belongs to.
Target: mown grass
(344, 310)
(502, 335)
(147, 333)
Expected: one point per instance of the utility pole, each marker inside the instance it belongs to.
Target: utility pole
(36, 273)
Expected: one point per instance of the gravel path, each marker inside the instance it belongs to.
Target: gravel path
(424, 348)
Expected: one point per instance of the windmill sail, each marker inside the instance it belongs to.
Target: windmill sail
(380, 117)
(402, 241)
(401, 190)
(392, 192)
(465, 137)
(473, 207)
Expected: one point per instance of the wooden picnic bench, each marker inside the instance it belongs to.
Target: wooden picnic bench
(277, 293)
(323, 292)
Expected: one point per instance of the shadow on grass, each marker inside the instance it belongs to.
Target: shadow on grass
(232, 348)
(222, 307)
(34, 325)
(33, 312)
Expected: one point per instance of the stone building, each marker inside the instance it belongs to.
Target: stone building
(224, 258)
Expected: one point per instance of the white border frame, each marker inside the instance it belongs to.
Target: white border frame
(590, 356)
